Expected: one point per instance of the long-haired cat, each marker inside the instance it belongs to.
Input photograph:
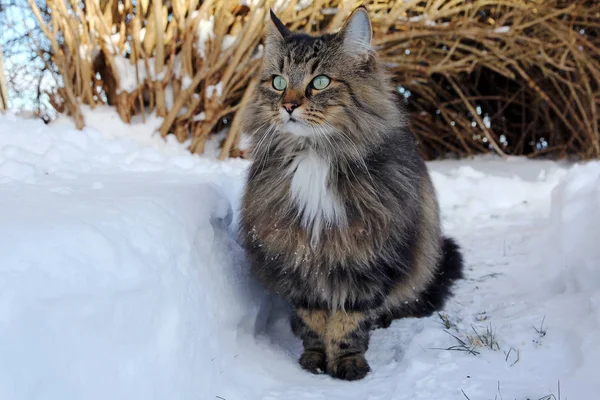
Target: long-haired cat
(339, 214)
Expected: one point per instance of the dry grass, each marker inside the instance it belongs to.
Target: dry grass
(471, 342)
(514, 77)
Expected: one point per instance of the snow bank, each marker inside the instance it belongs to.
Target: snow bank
(119, 278)
(130, 291)
(570, 272)
(489, 187)
(575, 230)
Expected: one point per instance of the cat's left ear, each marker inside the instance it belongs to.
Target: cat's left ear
(357, 33)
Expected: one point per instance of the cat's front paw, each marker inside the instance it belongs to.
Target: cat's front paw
(313, 361)
(383, 321)
(350, 368)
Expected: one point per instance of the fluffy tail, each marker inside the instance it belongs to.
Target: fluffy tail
(450, 269)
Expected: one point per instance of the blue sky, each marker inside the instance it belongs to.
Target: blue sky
(23, 73)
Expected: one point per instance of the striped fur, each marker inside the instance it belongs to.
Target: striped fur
(339, 214)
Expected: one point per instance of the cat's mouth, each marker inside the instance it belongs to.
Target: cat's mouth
(297, 127)
(295, 121)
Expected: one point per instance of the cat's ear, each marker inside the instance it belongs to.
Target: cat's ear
(357, 33)
(277, 29)
(276, 34)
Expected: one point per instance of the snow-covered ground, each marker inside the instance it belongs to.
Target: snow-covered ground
(120, 278)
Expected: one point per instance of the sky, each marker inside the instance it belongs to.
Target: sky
(23, 69)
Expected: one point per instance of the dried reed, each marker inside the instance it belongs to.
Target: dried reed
(513, 77)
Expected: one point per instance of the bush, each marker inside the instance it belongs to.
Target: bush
(513, 77)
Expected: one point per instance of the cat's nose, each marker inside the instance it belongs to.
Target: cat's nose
(290, 107)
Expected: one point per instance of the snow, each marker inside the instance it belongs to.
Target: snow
(228, 41)
(248, 3)
(329, 11)
(212, 90)
(303, 4)
(120, 278)
(126, 72)
(571, 272)
(200, 117)
(88, 52)
(279, 5)
(205, 34)
(186, 82)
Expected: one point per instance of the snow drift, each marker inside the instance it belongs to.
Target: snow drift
(114, 286)
(570, 273)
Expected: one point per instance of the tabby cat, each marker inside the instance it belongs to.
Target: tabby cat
(339, 214)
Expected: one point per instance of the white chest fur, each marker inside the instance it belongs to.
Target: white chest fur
(317, 204)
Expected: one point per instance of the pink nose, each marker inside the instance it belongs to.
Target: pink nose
(290, 107)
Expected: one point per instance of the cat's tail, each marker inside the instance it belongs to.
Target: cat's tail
(449, 270)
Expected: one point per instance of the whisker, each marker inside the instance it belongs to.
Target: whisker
(266, 155)
(264, 152)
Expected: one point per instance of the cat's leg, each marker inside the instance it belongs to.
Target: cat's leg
(310, 326)
(346, 341)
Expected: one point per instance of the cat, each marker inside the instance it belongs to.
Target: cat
(339, 215)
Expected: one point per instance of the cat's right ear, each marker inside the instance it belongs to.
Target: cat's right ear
(277, 30)
(276, 34)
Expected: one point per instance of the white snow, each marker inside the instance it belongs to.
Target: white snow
(214, 90)
(329, 11)
(120, 278)
(88, 52)
(570, 274)
(228, 41)
(205, 34)
(186, 82)
(126, 71)
(303, 4)
(248, 3)
(200, 117)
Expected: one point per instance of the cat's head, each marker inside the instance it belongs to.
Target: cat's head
(327, 87)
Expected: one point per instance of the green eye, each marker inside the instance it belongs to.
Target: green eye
(279, 82)
(320, 82)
